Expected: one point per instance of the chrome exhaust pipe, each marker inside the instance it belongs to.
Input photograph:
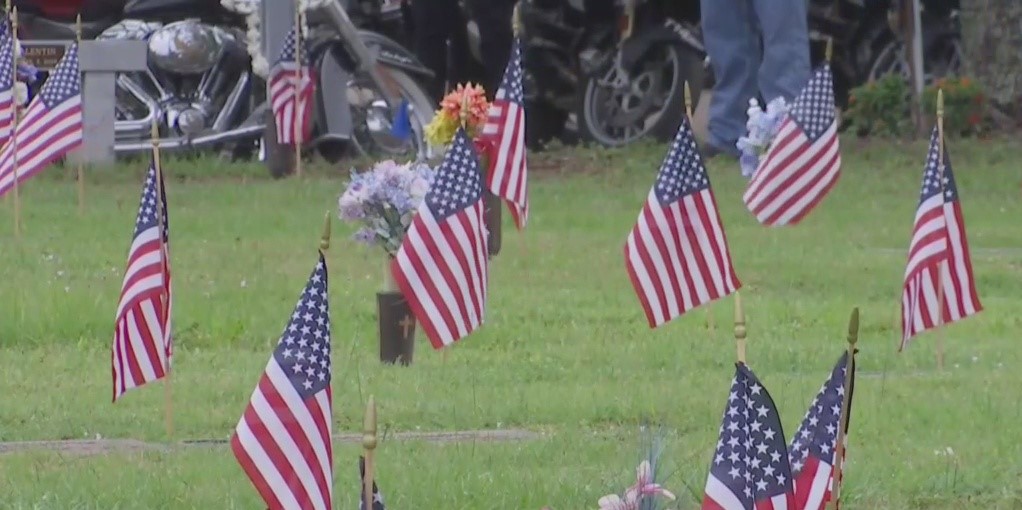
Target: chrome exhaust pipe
(232, 103)
(136, 127)
(198, 142)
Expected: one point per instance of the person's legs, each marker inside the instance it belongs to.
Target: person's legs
(495, 37)
(732, 45)
(432, 20)
(785, 66)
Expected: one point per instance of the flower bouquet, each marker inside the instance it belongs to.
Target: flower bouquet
(763, 127)
(27, 75)
(383, 201)
(646, 493)
(466, 107)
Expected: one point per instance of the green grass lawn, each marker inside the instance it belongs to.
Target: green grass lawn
(565, 350)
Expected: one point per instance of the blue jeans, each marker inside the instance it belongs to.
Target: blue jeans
(756, 47)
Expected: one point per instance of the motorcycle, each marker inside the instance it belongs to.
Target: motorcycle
(202, 88)
(635, 80)
(942, 47)
(553, 34)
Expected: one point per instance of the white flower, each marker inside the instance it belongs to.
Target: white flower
(21, 92)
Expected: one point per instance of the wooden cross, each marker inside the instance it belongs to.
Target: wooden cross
(406, 323)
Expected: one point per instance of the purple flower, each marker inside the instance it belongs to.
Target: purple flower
(749, 162)
(365, 235)
(27, 73)
(383, 200)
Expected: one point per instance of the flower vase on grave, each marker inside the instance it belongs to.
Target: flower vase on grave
(396, 321)
(383, 201)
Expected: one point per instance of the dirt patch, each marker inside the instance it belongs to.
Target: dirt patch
(82, 447)
(108, 446)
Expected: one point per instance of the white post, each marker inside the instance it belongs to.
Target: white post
(276, 18)
(100, 61)
(917, 48)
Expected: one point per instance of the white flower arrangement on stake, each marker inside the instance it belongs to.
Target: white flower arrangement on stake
(254, 35)
(763, 127)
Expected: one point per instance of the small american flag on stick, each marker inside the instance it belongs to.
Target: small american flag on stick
(291, 86)
(505, 133)
(939, 285)
(803, 162)
(442, 266)
(750, 468)
(282, 442)
(813, 450)
(6, 85)
(51, 127)
(677, 254)
(142, 347)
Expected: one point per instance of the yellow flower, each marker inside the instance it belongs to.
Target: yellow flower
(440, 130)
(466, 106)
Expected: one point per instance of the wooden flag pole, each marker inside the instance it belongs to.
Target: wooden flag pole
(299, 118)
(839, 454)
(368, 446)
(81, 162)
(942, 264)
(324, 240)
(740, 328)
(710, 322)
(14, 121)
(168, 401)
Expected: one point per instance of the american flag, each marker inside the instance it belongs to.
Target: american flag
(750, 468)
(939, 285)
(377, 497)
(283, 439)
(677, 254)
(813, 450)
(51, 126)
(505, 132)
(142, 347)
(291, 77)
(803, 162)
(442, 265)
(6, 86)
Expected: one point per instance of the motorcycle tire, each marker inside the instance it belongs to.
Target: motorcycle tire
(414, 92)
(687, 65)
(279, 158)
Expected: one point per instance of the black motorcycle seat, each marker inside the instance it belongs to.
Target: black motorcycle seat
(41, 28)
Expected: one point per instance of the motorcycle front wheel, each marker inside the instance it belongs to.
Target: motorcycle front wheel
(373, 121)
(650, 103)
(943, 58)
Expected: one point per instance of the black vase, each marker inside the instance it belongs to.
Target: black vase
(397, 328)
(492, 215)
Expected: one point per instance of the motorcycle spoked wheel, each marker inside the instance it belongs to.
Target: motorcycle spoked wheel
(652, 103)
(943, 58)
(371, 125)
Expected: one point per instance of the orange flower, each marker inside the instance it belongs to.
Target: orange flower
(468, 104)
(965, 82)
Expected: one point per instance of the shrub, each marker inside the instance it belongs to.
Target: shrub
(880, 108)
(964, 105)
